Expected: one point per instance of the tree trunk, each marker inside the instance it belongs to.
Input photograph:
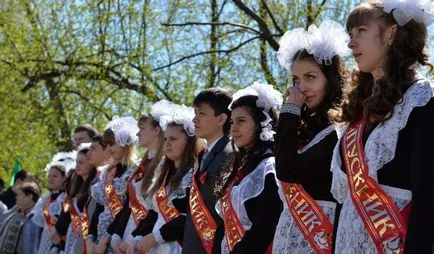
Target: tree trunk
(63, 142)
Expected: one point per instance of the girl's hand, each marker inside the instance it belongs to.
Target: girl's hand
(294, 95)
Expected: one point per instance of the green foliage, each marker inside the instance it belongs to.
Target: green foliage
(23, 130)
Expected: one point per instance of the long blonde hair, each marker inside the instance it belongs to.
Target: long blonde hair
(129, 157)
(151, 165)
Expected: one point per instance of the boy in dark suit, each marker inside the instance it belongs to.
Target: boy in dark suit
(211, 121)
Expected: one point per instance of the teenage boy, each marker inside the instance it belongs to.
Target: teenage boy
(212, 123)
(84, 134)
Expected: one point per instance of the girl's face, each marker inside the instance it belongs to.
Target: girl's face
(243, 128)
(370, 47)
(55, 179)
(83, 167)
(309, 78)
(175, 141)
(147, 133)
(116, 152)
(23, 201)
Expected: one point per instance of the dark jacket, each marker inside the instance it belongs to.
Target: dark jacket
(213, 164)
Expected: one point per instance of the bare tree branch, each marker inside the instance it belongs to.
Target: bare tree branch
(151, 80)
(86, 99)
(313, 14)
(265, 31)
(239, 30)
(221, 8)
(212, 24)
(225, 51)
(263, 49)
(319, 9)
(278, 28)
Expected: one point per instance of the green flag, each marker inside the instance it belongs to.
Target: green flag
(17, 168)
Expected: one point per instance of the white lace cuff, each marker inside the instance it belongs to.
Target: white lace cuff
(158, 237)
(116, 237)
(115, 241)
(290, 108)
(138, 238)
(91, 238)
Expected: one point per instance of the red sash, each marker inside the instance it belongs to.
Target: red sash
(138, 211)
(66, 203)
(84, 227)
(168, 212)
(80, 223)
(49, 220)
(203, 221)
(310, 217)
(234, 230)
(75, 219)
(114, 203)
(380, 215)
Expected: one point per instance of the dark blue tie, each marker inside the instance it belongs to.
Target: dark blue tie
(202, 161)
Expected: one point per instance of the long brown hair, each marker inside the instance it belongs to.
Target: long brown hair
(375, 100)
(151, 165)
(188, 158)
(80, 188)
(336, 74)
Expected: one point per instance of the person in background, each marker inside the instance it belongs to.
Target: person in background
(84, 134)
(8, 197)
(151, 137)
(3, 207)
(172, 182)
(120, 138)
(18, 233)
(48, 208)
(79, 207)
(99, 157)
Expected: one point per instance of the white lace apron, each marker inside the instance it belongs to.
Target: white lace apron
(380, 147)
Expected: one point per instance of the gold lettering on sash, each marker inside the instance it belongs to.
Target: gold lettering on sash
(309, 217)
(114, 202)
(379, 213)
(201, 217)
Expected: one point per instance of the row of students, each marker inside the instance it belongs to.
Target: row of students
(300, 184)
